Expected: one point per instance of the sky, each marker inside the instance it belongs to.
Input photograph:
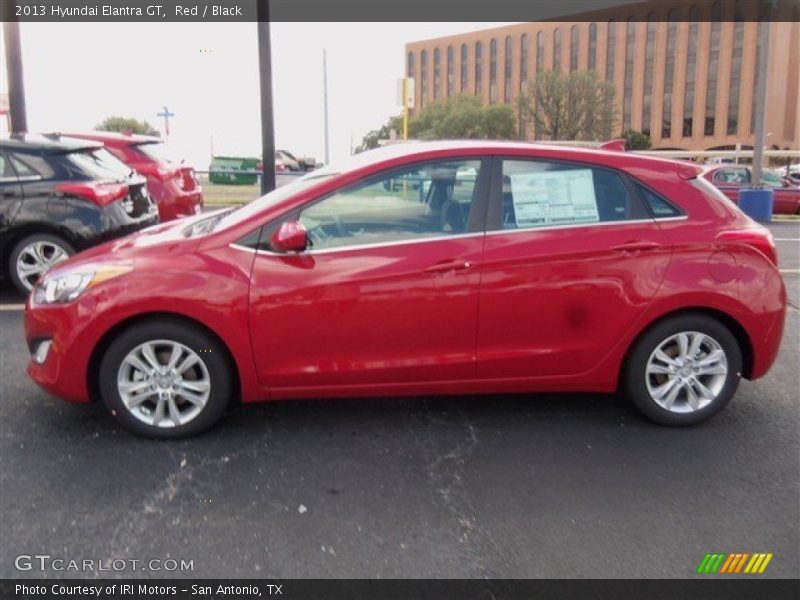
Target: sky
(207, 74)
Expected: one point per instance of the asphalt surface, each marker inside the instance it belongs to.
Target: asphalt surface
(494, 486)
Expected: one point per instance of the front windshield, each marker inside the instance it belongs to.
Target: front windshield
(280, 194)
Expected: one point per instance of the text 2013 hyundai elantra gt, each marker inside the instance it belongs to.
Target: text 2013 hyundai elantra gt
(442, 268)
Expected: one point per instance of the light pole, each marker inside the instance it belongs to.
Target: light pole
(761, 93)
(16, 86)
(325, 100)
(265, 80)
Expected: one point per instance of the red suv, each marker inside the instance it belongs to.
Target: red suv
(173, 186)
(441, 268)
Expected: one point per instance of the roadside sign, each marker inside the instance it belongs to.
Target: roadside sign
(405, 92)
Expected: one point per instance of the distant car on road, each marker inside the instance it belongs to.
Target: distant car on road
(293, 163)
(60, 196)
(731, 179)
(173, 185)
(521, 268)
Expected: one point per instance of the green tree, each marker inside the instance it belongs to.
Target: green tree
(126, 124)
(371, 139)
(463, 117)
(636, 140)
(568, 106)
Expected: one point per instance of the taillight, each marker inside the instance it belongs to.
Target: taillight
(100, 193)
(759, 238)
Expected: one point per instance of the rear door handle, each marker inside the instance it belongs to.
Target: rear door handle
(446, 266)
(636, 246)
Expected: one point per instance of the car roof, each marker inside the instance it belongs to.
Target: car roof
(603, 157)
(116, 138)
(46, 143)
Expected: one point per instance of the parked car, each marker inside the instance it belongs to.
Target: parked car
(731, 179)
(58, 197)
(295, 163)
(594, 271)
(173, 185)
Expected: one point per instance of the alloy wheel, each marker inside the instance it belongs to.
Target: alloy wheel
(163, 383)
(36, 259)
(686, 372)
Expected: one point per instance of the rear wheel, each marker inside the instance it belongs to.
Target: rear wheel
(34, 256)
(165, 379)
(683, 370)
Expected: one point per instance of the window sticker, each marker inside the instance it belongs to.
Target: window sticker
(554, 198)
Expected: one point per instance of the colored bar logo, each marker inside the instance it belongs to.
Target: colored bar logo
(735, 562)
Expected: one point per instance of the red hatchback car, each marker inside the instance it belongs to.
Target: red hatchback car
(174, 187)
(731, 179)
(442, 268)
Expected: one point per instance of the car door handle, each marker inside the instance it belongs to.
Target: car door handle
(636, 246)
(446, 266)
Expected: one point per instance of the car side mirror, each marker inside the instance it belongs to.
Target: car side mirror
(291, 236)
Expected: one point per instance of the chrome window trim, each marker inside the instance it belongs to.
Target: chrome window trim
(22, 179)
(450, 237)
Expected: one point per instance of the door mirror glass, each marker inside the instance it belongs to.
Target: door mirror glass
(291, 236)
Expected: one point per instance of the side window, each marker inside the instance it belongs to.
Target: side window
(30, 166)
(424, 201)
(6, 173)
(771, 179)
(736, 176)
(659, 207)
(542, 194)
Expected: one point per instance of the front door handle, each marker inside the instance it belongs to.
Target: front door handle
(446, 266)
(636, 246)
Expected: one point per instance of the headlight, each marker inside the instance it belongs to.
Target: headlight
(59, 289)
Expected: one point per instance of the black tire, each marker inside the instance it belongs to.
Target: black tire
(211, 354)
(24, 243)
(634, 378)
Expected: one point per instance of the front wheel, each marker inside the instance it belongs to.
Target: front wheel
(165, 379)
(683, 370)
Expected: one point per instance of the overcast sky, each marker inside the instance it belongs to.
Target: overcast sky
(207, 74)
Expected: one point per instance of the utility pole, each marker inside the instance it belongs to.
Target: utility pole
(166, 115)
(325, 96)
(761, 92)
(265, 80)
(16, 86)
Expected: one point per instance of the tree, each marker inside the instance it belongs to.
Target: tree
(568, 106)
(462, 117)
(636, 140)
(126, 125)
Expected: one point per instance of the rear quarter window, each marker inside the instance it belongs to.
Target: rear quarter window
(659, 207)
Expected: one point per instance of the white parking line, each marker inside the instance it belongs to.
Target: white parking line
(787, 239)
(789, 271)
(11, 307)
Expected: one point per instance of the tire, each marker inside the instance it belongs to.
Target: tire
(41, 250)
(206, 380)
(646, 375)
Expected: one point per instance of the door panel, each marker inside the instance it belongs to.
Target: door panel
(394, 314)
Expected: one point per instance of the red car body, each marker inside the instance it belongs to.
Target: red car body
(731, 179)
(492, 310)
(174, 187)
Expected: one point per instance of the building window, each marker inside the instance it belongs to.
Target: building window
(669, 72)
(649, 57)
(450, 71)
(611, 50)
(410, 72)
(507, 73)
(713, 68)
(592, 47)
(464, 67)
(437, 73)
(630, 40)
(736, 68)
(424, 76)
(691, 68)
(523, 61)
(573, 49)
(478, 68)
(539, 52)
(557, 50)
(493, 71)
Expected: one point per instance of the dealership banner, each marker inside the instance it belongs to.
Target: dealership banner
(220, 11)
(400, 589)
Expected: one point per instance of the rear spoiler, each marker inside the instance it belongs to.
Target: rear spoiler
(686, 170)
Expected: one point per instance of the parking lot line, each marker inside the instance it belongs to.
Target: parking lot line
(787, 239)
(11, 307)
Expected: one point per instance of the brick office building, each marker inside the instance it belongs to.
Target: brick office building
(684, 70)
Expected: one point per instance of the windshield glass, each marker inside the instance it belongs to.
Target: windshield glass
(771, 179)
(274, 197)
(100, 164)
(157, 151)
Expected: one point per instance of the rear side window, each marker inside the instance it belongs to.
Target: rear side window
(659, 207)
(99, 164)
(155, 151)
(543, 193)
(29, 165)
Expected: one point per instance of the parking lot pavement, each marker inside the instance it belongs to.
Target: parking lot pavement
(494, 486)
